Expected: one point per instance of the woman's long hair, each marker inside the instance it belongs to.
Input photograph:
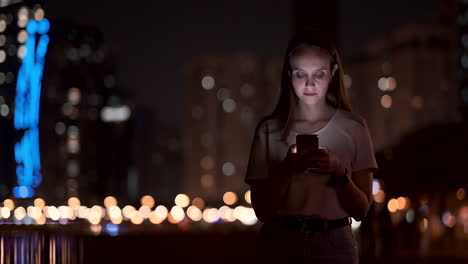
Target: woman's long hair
(336, 97)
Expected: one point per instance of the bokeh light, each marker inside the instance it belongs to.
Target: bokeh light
(194, 213)
(230, 198)
(145, 211)
(8, 203)
(177, 214)
(208, 82)
(392, 205)
(198, 202)
(127, 211)
(19, 213)
(74, 202)
(136, 218)
(39, 202)
(379, 197)
(110, 201)
(210, 215)
(386, 101)
(182, 200)
(148, 201)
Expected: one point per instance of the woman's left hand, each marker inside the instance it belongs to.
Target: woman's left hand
(322, 160)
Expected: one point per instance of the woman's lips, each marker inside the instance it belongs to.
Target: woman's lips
(310, 94)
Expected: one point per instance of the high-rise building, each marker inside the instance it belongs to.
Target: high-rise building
(228, 96)
(407, 82)
(23, 46)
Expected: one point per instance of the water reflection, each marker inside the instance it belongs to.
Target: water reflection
(26, 245)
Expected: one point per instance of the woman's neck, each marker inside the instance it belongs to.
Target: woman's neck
(313, 113)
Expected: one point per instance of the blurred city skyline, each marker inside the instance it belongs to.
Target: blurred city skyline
(150, 42)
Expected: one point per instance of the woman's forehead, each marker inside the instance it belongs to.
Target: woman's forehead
(309, 56)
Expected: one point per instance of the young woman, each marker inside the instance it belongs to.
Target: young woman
(305, 200)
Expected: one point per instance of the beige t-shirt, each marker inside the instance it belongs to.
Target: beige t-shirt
(346, 134)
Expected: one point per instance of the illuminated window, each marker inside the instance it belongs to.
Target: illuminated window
(228, 169)
(208, 82)
(386, 101)
(229, 105)
(2, 56)
(223, 94)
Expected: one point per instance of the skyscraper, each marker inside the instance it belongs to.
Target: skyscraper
(228, 96)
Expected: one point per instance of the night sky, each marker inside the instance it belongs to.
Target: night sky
(151, 40)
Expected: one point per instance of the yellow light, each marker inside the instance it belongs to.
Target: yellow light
(245, 215)
(19, 213)
(8, 203)
(147, 200)
(198, 202)
(177, 213)
(5, 212)
(247, 197)
(34, 212)
(95, 214)
(461, 194)
(227, 213)
(74, 202)
(39, 202)
(53, 213)
(161, 211)
(194, 213)
(210, 215)
(127, 211)
(41, 220)
(379, 197)
(145, 211)
(136, 218)
(391, 83)
(114, 212)
(182, 200)
(83, 212)
(403, 203)
(155, 219)
(110, 201)
(230, 198)
(117, 220)
(386, 101)
(392, 205)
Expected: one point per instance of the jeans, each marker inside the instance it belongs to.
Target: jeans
(282, 244)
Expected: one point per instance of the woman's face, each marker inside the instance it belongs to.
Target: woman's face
(310, 74)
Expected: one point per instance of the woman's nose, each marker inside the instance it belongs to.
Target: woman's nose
(309, 82)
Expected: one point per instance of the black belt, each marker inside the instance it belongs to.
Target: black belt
(309, 224)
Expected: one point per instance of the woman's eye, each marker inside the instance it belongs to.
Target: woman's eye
(319, 75)
(300, 75)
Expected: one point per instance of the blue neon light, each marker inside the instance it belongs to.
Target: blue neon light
(28, 93)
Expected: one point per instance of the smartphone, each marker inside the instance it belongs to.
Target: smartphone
(306, 142)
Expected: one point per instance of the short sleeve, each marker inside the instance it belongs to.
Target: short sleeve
(257, 167)
(364, 157)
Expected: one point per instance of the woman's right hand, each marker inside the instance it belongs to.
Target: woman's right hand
(293, 161)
